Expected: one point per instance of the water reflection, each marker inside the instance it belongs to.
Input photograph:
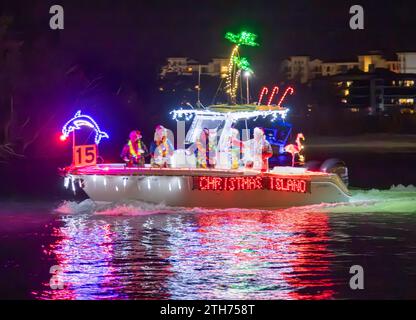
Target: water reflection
(234, 255)
(213, 255)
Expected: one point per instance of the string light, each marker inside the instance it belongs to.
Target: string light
(242, 64)
(66, 182)
(79, 121)
(274, 92)
(73, 185)
(230, 72)
(290, 91)
(234, 89)
(236, 115)
(263, 91)
(243, 38)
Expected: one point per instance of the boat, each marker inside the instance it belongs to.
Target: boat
(209, 188)
(184, 185)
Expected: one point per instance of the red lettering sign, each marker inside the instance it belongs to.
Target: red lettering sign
(251, 183)
(287, 184)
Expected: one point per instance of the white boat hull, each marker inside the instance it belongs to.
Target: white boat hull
(175, 187)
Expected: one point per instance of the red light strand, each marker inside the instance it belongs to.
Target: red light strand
(262, 93)
(275, 91)
(290, 91)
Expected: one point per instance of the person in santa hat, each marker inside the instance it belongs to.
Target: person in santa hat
(258, 151)
(135, 151)
(162, 148)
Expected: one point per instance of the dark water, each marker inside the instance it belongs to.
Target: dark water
(131, 252)
(139, 251)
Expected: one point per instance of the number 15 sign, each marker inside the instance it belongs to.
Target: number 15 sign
(85, 155)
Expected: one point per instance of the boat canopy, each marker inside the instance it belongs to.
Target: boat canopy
(222, 117)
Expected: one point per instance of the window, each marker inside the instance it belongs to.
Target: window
(407, 111)
(406, 101)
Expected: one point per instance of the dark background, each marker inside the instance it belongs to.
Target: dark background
(106, 62)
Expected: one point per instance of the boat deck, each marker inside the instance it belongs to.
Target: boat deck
(122, 170)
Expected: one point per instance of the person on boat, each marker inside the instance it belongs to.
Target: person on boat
(161, 149)
(258, 151)
(205, 149)
(235, 149)
(135, 151)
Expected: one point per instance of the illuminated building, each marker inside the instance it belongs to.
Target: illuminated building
(304, 68)
(183, 66)
(377, 92)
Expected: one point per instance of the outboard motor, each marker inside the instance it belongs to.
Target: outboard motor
(336, 166)
(313, 165)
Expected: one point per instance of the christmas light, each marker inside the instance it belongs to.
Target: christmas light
(230, 72)
(243, 38)
(262, 93)
(79, 121)
(290, 91)
(235, 116)
(296, 149)
(274, 92)
(66, 182)
(242, 64)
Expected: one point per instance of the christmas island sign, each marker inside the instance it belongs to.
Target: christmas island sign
(252, 183)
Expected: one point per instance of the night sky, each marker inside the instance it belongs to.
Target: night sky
(140, 34)
(122, 44)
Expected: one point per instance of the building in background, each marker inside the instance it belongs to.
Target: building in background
(183, 66)
(303, 68)
(378, 91)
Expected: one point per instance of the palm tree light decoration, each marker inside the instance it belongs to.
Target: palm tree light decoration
(241, 64)
(236, 63)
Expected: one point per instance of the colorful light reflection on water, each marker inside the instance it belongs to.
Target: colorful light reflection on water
(214, 255)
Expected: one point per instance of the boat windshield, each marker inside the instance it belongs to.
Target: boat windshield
(201, 122)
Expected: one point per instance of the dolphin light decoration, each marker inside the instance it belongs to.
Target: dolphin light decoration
(82, 120)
